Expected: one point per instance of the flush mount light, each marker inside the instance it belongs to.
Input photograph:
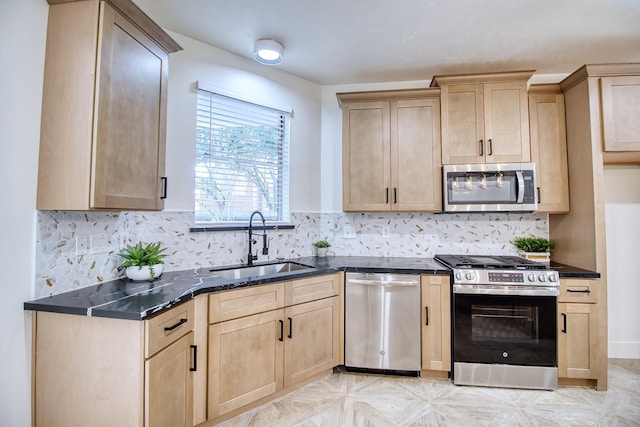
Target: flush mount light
(268, 51)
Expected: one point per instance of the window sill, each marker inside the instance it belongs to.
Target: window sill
(214, 228)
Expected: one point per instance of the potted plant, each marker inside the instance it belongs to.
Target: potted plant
(321, 247)
(534, 248)
(143, 262)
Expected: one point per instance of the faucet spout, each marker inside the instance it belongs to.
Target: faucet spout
(265, 245)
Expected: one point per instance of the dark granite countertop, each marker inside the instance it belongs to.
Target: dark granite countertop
(124, 299)
(575, 272)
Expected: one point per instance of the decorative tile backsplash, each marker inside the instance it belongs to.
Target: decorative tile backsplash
(58, 269)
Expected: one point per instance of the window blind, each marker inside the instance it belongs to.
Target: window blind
(242, 160)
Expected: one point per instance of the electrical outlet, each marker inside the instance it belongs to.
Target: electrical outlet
(349, 232)
(98, 243)
(386, 232)
(124, 241)
(81, 245)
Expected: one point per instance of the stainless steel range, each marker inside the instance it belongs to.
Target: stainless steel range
(504, 321)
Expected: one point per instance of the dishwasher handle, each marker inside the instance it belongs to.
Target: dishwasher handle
(384, 282)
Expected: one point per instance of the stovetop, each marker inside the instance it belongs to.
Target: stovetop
(493, 262)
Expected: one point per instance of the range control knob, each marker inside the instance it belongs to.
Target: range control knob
(542, 277)
(458, 275)
(470, 276)
(531, 277)
(553, 278)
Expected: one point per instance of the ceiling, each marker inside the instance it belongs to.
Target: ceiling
(366, 41)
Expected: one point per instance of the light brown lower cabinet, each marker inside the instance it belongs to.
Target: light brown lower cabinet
(436, 325)
(257, 355)
(577, 351)
(96, 371)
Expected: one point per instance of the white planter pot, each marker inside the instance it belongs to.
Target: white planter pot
(143, 273)
(321, 252)
(536, 256)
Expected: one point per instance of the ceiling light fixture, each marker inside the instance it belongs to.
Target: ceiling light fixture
(268, 51)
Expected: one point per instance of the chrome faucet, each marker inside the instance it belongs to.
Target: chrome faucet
(265, 243)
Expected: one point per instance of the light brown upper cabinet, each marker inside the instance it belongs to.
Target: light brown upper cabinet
(485, 117)
(620, 111)
(549, 147)
(102, 143)
(391, 150)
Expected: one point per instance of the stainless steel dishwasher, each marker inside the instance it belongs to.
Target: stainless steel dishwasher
(382, 322)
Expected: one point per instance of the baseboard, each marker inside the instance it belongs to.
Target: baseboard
(624, 350)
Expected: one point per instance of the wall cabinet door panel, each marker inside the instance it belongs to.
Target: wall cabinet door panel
(620, 110)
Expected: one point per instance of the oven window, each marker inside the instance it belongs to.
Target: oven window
(502, 329)
(498, 323)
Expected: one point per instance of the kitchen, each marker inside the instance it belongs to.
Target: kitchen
(323, 203)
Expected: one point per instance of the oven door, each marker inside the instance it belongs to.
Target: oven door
(505, 329)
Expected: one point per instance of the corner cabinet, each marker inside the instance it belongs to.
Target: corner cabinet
(105, 372)
(577, 332)
(102, 143)
(485, 117)
(268, 338)
(549, 147)
(391, 151)
(436, 325)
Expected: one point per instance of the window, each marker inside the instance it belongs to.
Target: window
(242, 160)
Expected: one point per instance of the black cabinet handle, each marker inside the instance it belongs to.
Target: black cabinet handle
(281, 330)
(564, 323)
(426, 315)
(171, 328)
(164, 187)
(194, 351)
(386, 195)
(579, 291)
(490, 147)
(482, 147)
(539, 199)
(290, 327)
(395, 195)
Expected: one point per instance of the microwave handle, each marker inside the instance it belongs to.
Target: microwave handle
(520, 179)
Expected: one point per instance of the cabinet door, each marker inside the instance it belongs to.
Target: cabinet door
(436, 323)
(245, 361)
(576, 346)
(620, 111)
(312, 339)
(415, 155)
(366, 156)
(129, 139)
(462, 124)
(506, 122)
(169, 385)
(549, 151)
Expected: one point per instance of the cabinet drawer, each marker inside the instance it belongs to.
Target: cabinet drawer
(578, 290)
(168, 327)
(245, 302)
(311, 289)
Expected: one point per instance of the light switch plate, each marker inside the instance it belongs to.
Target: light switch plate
(349, 232)
(98, 243)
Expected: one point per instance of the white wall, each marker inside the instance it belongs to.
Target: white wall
(244, 77)
(23, 26)
(622, 210)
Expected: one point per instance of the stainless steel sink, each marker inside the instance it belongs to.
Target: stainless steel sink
(259, 270)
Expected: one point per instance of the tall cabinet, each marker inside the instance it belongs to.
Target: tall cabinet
(580, 235)
(391, 150)
(102, 143)
(485, 117)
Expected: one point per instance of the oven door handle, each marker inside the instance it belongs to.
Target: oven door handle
(535, 291)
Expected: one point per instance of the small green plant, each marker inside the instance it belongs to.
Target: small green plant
(533, 244)
(322, 244)
(141, 256)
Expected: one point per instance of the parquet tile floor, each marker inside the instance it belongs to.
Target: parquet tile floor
(355, 400)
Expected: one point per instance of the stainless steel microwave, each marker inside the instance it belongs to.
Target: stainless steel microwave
(501, 187)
